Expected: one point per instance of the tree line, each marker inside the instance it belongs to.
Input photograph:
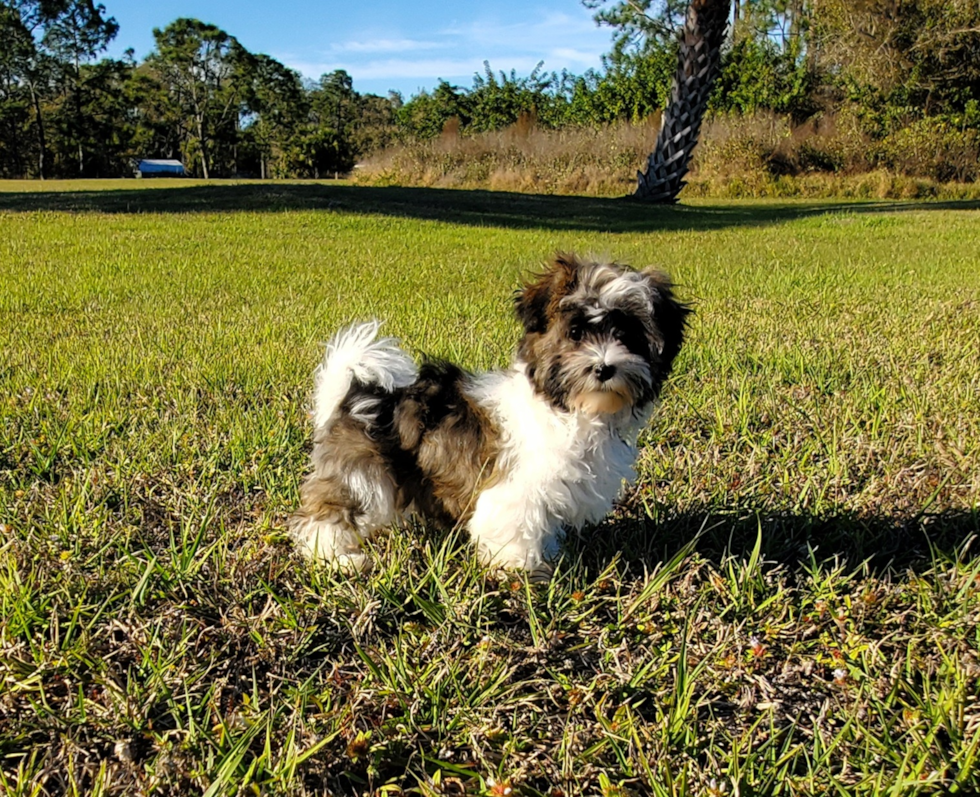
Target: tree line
(200, 96)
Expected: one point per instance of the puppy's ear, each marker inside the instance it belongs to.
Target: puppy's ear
(537, 301)
(531, 303)
(669, 317)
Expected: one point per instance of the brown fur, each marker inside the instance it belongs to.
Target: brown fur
(441, 446)
(340, 449)
(599, 339)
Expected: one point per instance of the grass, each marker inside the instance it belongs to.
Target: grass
(740, 156)
(787, 602)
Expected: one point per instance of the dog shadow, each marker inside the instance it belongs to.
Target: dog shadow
(882, 542)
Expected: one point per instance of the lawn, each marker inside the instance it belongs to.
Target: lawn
(787, 601)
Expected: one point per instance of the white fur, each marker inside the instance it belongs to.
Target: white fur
(318, 539)
(560, 469)
(611, 289)
(613, 353)
(355, 353)
(624, 288)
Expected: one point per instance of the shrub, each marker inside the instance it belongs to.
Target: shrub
(932, 147)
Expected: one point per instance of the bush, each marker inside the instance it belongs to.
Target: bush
(932, 147)
(759, 76)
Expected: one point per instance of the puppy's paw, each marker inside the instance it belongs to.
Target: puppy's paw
(540, 573)
(353, 564)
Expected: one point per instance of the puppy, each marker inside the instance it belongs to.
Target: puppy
(514, 456)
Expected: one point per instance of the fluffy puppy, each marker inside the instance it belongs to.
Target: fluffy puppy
(514, 455)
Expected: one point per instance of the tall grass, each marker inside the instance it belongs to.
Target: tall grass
(761, 155)
(523, 157)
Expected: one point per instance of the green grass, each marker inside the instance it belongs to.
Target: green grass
(787, 602)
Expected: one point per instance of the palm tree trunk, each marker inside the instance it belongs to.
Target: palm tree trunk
(698, 66)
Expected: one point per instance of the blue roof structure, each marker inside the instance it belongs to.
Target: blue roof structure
(161, 167)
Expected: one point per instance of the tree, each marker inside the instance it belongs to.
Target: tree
(698, 66)
(159, 126)
(74, 35)
(496, 102)
(642, 26)
(16, 51)
(334, 101)
(198, 65)
(109, 109)
(375, 128)
(425, 115)
(277, 108)
(922, 56)
(31, 70)
(45, 46)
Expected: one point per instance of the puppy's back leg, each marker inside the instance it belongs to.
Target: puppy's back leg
(325, 528)
(328, 541)
(343, 503)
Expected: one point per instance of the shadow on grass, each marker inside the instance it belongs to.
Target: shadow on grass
(886, 543)
(476, 208)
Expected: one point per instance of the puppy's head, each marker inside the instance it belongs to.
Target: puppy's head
(599, 337)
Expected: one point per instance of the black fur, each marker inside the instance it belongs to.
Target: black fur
(432, 436)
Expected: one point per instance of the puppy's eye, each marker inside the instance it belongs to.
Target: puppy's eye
(576, 332)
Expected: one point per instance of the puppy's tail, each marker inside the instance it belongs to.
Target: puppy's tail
(357, 354)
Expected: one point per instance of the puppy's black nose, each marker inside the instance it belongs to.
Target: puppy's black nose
(604, 372)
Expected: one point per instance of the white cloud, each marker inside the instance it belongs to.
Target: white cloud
(562, 40)
(573, 57)
(401, 68)
(386, 46)
(552, 28)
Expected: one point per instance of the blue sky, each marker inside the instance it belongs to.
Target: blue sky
(385, 44)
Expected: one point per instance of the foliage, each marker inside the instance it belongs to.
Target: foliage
(757, 75)
(45, 92)
(277, 107)
(921, 56)
(630, 87)
(893, 69)
(641, 25)
(73, 36)
(426, 114)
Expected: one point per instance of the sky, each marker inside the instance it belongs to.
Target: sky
(386, 44)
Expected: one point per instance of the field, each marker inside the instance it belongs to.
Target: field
(787, 602)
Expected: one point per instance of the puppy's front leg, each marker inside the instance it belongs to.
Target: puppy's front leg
(511, 530)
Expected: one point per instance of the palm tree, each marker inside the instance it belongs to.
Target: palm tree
(698, 65)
